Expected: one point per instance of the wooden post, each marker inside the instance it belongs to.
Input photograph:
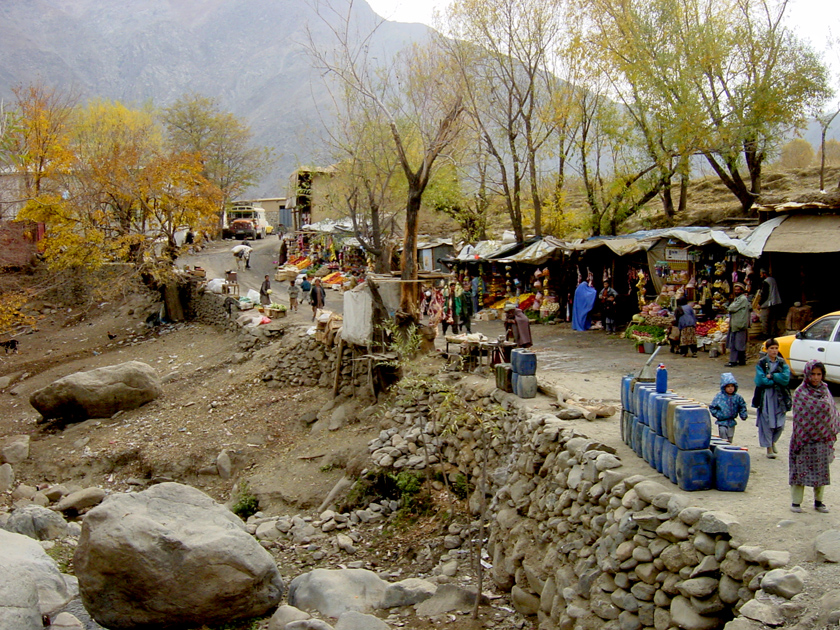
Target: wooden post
(339, 352)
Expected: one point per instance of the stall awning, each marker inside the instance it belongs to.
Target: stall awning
(539, 252)
(806, 234)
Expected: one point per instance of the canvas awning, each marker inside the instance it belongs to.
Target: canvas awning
(539, 252)
(806, 234)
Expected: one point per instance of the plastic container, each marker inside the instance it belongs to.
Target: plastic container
(653, 411)
(692, 427)
(732, 468)
(504, 376)
(514, 379)
(695, 469)
(660, 406)
(715, 442)
(669, 461)
(524, 362)
(626, 389)
(641, 394)
(634, 392)
(658, 444)
(648, 440)
(637, 437)
(668, 428)
(661, 379)
(525, 385)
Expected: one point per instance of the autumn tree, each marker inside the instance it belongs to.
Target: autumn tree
(504, 51)
(230, 160)
(825, 121)
(798, 153)
(419, 97)
(754, 80)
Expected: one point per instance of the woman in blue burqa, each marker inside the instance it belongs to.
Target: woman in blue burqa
(585, 296)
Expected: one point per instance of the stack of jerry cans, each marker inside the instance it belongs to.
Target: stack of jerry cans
(524, 369)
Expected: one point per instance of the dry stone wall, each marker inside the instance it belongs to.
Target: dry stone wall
(577, 541)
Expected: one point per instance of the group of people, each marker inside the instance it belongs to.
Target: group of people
(451, 307)
(313, 291)
(816, 422)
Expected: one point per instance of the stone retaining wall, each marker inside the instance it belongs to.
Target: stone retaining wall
(577, 541)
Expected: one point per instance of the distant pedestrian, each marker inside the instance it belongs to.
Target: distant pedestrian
(294, 292)
(728, 406)
(467, 307)
(739, 322)
(769, 302)
(317, 297)
(815, 427)
(687, 322)
(265, 292)
(608, 296)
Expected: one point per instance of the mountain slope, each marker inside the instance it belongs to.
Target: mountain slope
(250, 54)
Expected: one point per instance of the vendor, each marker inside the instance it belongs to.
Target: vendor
(517, 326)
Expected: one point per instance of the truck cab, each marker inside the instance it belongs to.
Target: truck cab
(246, 222)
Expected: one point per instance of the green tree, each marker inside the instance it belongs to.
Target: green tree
(798, 153)
(196, 124)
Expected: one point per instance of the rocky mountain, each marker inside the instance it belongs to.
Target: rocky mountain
(250, 54)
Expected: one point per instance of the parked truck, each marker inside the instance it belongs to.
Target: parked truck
(246, 222)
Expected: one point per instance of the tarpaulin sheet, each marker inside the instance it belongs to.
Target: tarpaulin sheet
(806, 234)
(358, 316)
(539, 252)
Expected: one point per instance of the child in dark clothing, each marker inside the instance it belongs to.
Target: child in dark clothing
(727, 406)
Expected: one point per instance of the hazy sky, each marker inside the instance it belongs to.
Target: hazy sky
(816, 20)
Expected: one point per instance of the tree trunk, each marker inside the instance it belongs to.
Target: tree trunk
(172, 301)
(732, 180)
(409, 292)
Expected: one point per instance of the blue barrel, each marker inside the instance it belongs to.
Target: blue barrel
(692, 427)
(647, 443)
(626, 388)
(732, 468)
(695, 469)
(661, 379)
(637, 437)
(637, 393)
(660, 406)
(658, 444)
(643, 392)
(524, 362)
(669, 460)
(526, 386)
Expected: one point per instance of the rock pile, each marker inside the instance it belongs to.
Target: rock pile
(575, 540)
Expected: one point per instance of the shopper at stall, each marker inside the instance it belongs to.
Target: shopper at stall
(739, 322)
(265, 292)
(517, 326)
(771, 397)
(436, 307)
(687, 322)
(317, 297)
(452, 307)
(815, 427)
(769, 302)
(585, 296)
(478, 288)
(608, 297)
(466, 307)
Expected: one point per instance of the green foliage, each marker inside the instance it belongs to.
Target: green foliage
(63, 556)
(327, 468)
(641, 332)
(405, 342)
(246, 503)
(461, 486)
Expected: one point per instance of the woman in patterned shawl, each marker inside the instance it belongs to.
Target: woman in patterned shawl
(815, 427)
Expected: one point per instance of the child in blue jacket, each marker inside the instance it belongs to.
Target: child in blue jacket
(727, 406)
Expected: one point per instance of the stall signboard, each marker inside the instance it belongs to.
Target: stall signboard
(676, 254)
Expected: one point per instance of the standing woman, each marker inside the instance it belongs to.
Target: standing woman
(815, 427)
(687, 323)
(771, 397)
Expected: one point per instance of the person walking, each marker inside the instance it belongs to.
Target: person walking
(294, 293)
(815, 427)
(739, 322)
(265, 292)
(771, 397)
(769, 301)
(317, 297)
(687, 322)
(728, 406)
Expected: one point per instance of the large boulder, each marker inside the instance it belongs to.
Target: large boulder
(333, 592)
(98, 393)
(171, 557)
(24, 565)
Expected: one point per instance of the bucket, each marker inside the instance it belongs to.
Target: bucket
(523, 362)
(695, 469)
(732, 468)
(692, 427)
(649, 347)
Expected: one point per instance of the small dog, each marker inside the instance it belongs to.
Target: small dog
(10, 346)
